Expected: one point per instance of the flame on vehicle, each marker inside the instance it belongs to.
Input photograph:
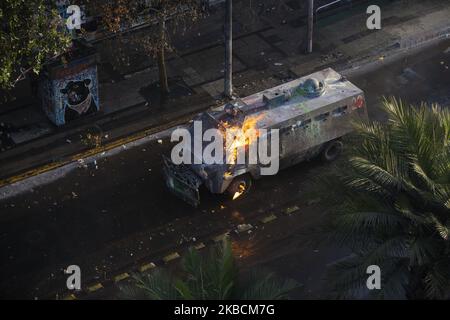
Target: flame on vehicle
(238, 137)
(227, 175)
(238, 193)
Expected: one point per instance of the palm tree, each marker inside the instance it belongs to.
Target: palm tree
(395, 206)
(213, 277)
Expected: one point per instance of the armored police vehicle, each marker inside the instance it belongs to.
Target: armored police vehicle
(311, 115)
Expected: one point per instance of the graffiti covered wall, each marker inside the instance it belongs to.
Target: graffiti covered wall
(70, 91)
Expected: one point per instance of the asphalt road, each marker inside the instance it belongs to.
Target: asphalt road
(109, 218)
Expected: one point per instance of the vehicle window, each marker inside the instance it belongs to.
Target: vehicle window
(322, 117)
(339, 111)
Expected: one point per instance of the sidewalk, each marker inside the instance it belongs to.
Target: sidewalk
(268, 50)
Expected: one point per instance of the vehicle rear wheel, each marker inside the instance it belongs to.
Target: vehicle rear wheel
(332, 150)
(239, 186)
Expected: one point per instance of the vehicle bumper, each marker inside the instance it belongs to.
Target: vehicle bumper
(182, 182)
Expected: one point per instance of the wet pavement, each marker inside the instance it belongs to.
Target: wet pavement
(117, 213)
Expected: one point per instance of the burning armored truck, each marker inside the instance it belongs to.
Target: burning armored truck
(259, 134)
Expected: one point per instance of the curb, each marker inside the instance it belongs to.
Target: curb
(89, 153)
(402, 47)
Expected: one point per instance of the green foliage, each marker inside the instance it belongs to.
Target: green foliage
(30, 33)
(393, 202)
(211, 277)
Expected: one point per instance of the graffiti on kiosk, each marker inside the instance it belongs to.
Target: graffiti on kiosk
(78, 95)
(71, 93)
(79, 99)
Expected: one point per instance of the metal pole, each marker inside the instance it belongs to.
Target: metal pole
(310, 25)
(229, 49)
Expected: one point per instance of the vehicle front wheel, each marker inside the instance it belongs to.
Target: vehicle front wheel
(332, 150)
(239, 186)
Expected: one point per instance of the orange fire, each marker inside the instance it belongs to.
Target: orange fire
(227, 175)
(237, 194)
(240, 136)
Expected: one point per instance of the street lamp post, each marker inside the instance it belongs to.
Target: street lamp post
(310, 25)
(229, 49)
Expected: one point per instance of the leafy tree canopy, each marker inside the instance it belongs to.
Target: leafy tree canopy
(31, 31)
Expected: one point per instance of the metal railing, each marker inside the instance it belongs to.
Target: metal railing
(327, 5)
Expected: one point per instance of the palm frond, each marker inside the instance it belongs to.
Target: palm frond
(437, 280)
(261, 285)
(346, 278)
(395, 209)
(157, 285)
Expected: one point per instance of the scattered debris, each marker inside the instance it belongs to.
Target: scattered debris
(244, 227)
(82, 164)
